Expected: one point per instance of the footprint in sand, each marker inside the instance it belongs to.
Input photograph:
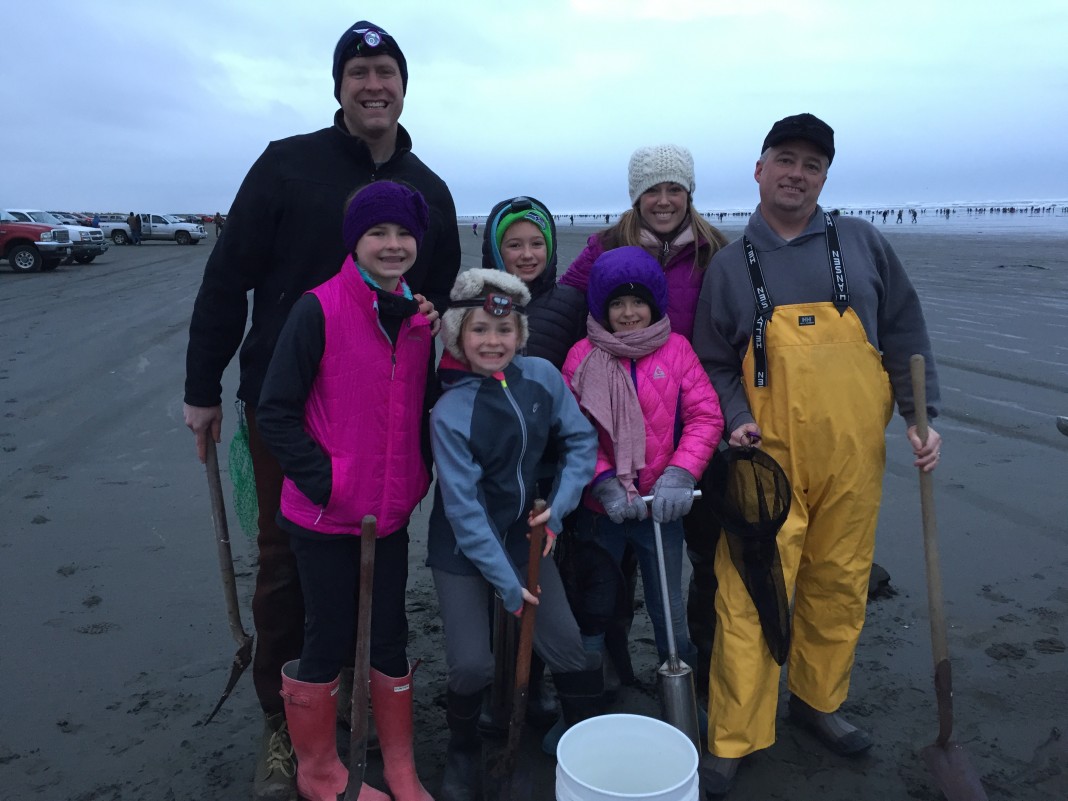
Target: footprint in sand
(1006, 651)
(97, 628)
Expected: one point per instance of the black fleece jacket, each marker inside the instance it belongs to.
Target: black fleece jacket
(283, 237)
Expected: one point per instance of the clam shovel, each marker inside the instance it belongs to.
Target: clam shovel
(947, 760)
(243, 657)
(674, 678)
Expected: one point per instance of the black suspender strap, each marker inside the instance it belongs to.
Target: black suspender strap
(764, 309)
(765, 306)
(840, 296)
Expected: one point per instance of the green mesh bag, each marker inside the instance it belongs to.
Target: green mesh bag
(246, 504)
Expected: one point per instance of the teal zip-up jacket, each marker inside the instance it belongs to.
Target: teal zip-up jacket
(488, 435)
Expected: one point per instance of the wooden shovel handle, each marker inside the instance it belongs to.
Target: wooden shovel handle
(361, 676)
(526, 628)
(930, 525)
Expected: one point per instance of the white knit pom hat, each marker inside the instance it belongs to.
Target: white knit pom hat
(650, 166)
(474, 284)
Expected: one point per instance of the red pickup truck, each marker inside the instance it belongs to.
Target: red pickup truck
(31, 246)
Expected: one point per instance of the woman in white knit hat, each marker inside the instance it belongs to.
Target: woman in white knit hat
(663, 220)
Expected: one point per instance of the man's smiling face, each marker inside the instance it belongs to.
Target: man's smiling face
(372, 96)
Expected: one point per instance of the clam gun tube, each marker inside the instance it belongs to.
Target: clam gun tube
(674, 678)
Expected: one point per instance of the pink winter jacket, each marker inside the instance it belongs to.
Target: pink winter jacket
(365, 410)
(683, 279)
(683, 422)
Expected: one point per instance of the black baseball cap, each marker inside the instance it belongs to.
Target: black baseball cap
(802, 126)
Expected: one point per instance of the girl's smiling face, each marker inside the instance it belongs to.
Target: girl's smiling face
(488, 342)
(523, 251)
(386, 251)
(628, 313)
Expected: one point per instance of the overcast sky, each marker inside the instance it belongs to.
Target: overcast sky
(113, 106)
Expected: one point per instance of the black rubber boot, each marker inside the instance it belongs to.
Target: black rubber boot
(462, 779)
(542, 709)
(581, 696)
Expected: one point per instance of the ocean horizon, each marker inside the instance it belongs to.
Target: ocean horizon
(1038, 216)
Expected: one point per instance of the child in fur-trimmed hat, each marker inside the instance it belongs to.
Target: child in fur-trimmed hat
(497, 414)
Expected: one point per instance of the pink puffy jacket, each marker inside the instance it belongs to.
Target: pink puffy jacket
(683, 421)
(365, 410)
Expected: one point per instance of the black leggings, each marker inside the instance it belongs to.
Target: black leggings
(330, 575)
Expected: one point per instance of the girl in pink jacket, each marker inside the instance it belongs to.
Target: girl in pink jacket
(342, 408)
(658, 421)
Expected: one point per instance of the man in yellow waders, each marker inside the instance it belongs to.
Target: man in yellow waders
(806, 326)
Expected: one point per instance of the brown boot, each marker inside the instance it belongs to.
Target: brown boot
(276, 767)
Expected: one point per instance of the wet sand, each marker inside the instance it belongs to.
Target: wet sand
(113, 633)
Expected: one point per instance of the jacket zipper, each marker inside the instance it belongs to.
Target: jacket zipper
(522, 450)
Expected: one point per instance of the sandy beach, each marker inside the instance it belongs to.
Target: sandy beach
(114, 643)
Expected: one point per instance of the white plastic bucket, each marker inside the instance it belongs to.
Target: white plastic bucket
(625, 757)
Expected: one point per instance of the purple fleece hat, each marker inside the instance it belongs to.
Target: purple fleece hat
(385, 202)
(626, 271)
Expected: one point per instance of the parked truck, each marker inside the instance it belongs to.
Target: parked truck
(86, 243)
(165, 227)
(30, 246)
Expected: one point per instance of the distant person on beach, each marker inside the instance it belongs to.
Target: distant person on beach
(474, 228)
(811, 376)
(282, 239)
(662, 219)
(134, 223)
(498, 413)
(340, 467)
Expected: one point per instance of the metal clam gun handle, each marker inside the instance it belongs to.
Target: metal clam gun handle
(674, 678)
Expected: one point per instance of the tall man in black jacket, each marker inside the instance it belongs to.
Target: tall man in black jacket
(282, 237)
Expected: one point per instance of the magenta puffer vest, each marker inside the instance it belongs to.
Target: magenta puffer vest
(365, 410)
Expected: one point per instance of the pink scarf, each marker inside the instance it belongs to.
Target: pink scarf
(604, 387)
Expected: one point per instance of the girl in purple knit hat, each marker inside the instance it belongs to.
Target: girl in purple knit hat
(657, 418)
(342, 409)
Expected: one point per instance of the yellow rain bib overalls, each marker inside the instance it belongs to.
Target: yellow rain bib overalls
(822, 414)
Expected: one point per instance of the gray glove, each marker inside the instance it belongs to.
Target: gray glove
(672, 494)
(613, 497)
(637, 509)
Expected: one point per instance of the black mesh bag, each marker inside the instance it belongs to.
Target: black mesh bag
(749, 495)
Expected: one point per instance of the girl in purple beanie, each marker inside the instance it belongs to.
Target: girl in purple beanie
(342, 409)
(657, 418)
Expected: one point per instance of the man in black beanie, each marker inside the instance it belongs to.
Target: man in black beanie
(283, 236)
